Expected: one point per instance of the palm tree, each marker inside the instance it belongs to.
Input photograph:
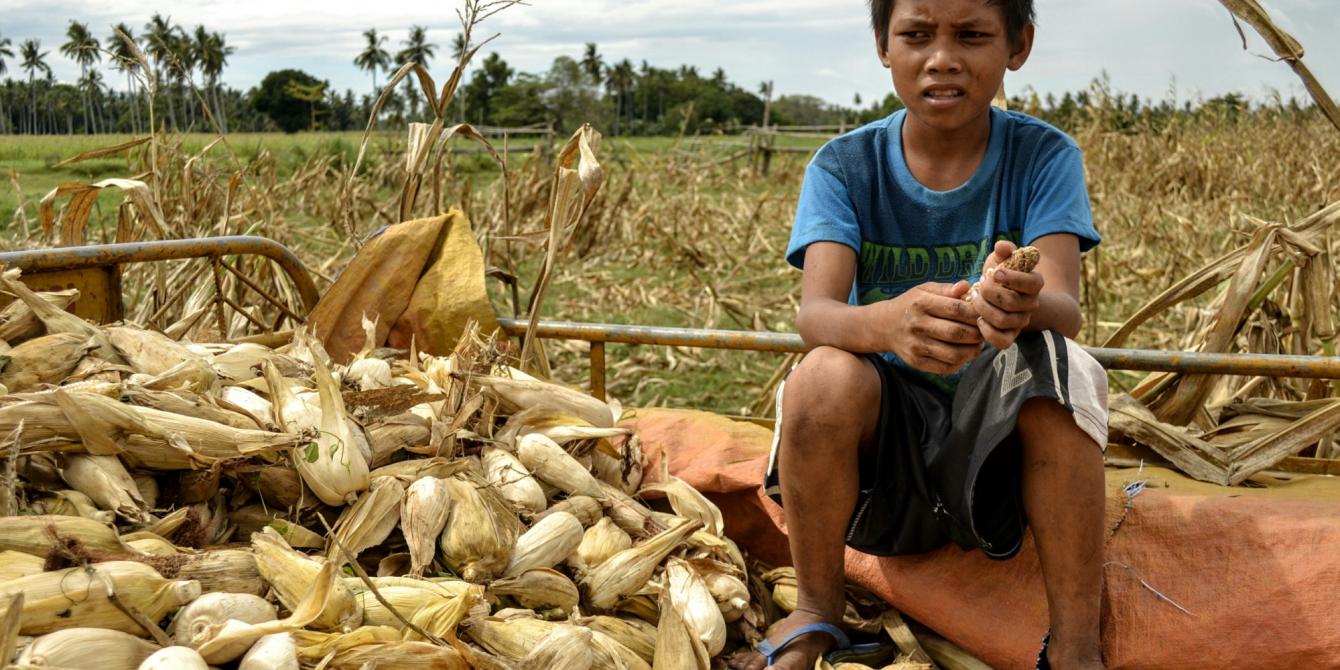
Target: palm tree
(183, 70)
(158, 37)
(211, 53)
(34, 61)
(592, 62)
(82, 47)
(123, 59)
(619, 80)
(458, 47)
(417, 50)
(373, 57)
(93, 86)
(5, 52)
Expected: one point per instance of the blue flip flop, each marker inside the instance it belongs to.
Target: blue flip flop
(843, 648)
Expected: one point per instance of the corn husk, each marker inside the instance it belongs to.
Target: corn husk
(546, 544)
(423, 514)
(599, 542)
(678, 647)
(689, 503)
(566, 648)
(515, 394)
(252, 518)
(15, 564)
(68, 502)
(689, 594)
(250, 404)
(19, 323)
(731, 594)
(174, 658)
(148, 543)
(314, 645)
(227, 570)
(635, 634)
(272, 652)
(105, 481)
(236, 637)
(441, 618)
(549, 462)
(480, 533)
(513, 480)
(400, 655)
(585, 508)
(146, 351)
(206, 616)
(43, 360)
(786, 595)
(332, 465)
(58, 320)
(514, 638)
(369, 521)
(88, 649)
(189, 404)
(35, 534)
(148, 488)
(291, 575)
(539, 589)
(628, 571)
(78, 597)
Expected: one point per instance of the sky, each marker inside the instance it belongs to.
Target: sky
(1187, 49)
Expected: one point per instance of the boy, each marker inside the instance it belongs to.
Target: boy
(900, 431)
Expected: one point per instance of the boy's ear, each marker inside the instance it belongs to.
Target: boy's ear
(882, 51)
(1022, 47)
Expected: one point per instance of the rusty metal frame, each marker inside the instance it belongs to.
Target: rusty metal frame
(213, 248)
(598, 334)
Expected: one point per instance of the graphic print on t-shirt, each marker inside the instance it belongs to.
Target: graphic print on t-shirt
(885, 271)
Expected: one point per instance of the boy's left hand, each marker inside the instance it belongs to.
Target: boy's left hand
(1006, 299)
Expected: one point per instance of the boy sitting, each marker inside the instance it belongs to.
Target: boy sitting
(900, 431)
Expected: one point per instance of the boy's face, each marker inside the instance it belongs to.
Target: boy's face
(948, 58)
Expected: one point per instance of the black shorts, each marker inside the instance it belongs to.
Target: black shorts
(948, 468)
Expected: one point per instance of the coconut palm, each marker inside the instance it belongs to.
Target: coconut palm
(593, 63)
(82, 47)
(159, 34)
(373, 57)
(211, 53)
(33, 61)
(417, 50)
(121, 44)
(5, 52)
(92, 86)
(182, 70)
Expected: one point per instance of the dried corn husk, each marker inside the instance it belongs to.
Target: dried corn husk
(88, 649)
(730, 593)
(566, 648)
(539, 589)
(678, 646)
(272, 652)
(206, 615)
(174, 658)
(785, 593)
(236, 637)
(15, 564)
(626, 572)
(58, 320)
(513, 480)
(635, 634)
(441, 618)
(549, 462)
(68, 502)
(332, 465)
(146, 351)
(517, 394)
(17, 321)
(227, 570)
(400, 654)
(546, 544)
(405, 599)
(689, 503)
(599, 542)
(585, 508)
(249, 404)
(34, 534)
(423, 514)
(368, 522)
(688, 594)
(314, 645)
(291, 575)
(78, 597)
(105, 481)
(43, 360)
(151, 544)
(481, 531)
(514, 638)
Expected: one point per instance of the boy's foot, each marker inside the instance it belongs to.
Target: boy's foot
(799, 655)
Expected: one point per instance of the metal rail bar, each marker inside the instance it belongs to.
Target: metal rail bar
(75, 258)
(1266, 365)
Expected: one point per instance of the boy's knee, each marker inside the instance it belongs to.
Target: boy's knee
(830, 387)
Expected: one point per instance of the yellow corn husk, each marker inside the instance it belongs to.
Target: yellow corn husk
(243, 362)
(368, 522)
(546, 544)
(192, 374)
(314, 646)
(78, 597)
(423, 514)
(786, 595)
(146, 351)
(480, 533)
(9, 627)
(252, 518)
(58, 320)
(188, 404)
(105, 480)
(566, 648)
(513, 480)
(236, 637)
(626, 572)
(677, 645)
(445, 587)
(516, 394)
(729, 591)
(68, 502)
(625, 475)
(161, 440)
(644, 605)
(44, 360)
(397, 434)
(599, 542)
(149, 490)
(35, 534)
(291, 413)
(248, 404)
(690, 503)
(272, 652)
(539, 589)
(15, 564)
(19, 323)
(585, 508)
(151, 544)
(689, 594)
(442, 617)
(635, 634)
(549, 462)
(291, 575)
(88, 649)
(205, 616)
(174, 658)
(401, 655)
(332, 465)
(514, 638)
(405, 599)
(226, 570)
(561, 427)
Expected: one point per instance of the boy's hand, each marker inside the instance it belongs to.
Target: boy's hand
(1006, 299)
(934, 329)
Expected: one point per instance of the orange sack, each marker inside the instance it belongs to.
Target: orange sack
(1197, 575)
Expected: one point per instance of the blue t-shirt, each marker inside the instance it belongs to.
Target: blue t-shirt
(858, 191)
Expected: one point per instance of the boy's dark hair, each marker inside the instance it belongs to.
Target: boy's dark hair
(1018, 13)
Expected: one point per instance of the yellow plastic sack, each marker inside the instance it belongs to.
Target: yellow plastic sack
(450, 294)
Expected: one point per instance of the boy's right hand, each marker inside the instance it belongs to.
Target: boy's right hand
(933, 329)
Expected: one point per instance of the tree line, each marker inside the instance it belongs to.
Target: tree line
(620, 97)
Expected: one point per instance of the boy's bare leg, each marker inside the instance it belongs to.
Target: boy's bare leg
(829, 409)
(1063, 497)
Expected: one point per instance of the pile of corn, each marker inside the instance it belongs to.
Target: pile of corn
(178, 505)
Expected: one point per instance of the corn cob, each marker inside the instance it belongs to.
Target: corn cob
(423, 514)
(546, 544)
(688, 594)
(626, 572)
(513, 480)
(599, 542)
(291, 575)
(105, 480)
(272, 652)
(206, 615)
(480, 533)
(36, 534)
(1023, 259)
(677, 645)
(17, 321)
(174, 658)
(368, 522)
(79, 597)
(88, 649)
(539, 589)
(566, 648)
(58, 320)
(43, 360)
(331, 465)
